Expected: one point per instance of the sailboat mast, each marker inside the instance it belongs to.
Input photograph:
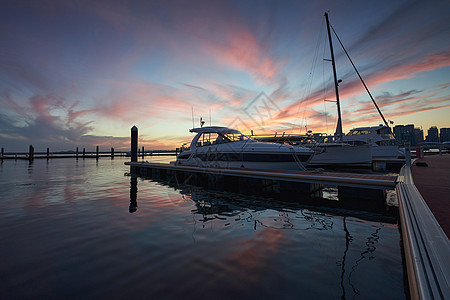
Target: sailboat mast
(339, 123)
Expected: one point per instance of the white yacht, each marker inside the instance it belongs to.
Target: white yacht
(379, 137)
(328, 153)
(222, 147)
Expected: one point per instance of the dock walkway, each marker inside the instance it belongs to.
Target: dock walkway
(433, 183)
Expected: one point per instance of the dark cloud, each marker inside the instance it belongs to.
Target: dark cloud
(35, 123)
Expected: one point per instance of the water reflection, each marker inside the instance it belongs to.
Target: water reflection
(367, 253)
(189, 240)
(270, 218)
(133, 194)
(228, 203)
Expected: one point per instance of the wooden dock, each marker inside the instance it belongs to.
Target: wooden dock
(354, 190)
(368, 181)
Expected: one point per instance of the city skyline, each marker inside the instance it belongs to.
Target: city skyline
(80, 74)
(416, 136)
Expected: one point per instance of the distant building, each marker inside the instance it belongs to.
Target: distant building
(433, 135)
(418, 136)
(445, 134)
(405, 134)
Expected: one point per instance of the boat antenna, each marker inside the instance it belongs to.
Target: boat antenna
(193, 126)
(336, 82)
(210, 117)
(354, 67)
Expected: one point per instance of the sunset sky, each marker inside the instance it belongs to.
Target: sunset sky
(82, 73)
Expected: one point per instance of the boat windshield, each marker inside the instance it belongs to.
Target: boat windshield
(207, 139)
(358, 132)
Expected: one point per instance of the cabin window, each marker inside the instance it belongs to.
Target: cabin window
(206, 139)
(233, 137)
(221, 139)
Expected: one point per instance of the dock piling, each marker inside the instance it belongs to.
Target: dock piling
(143, 153)
(96, 153)
(48, 153)
(408, 156)
(112, 153)
(3, 152)
(134, 144)
(76, 153)
(84, 152)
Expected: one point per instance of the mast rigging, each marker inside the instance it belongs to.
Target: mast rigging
(336, 83)
(356, 70)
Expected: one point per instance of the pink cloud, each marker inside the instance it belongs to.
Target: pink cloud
(241, 50)
(355, 88)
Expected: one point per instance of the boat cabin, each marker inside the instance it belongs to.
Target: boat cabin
(214, 135)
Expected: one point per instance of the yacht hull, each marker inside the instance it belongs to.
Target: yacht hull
(342, 155)
(385, 152)
(269, 161)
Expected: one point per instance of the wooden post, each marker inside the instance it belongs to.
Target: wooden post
(76, 153)
(48, 153)
(3, 152)
(134, 144)
(96, 155)
(31, 153)
(84, 152)
(112, 152)
(143, 152)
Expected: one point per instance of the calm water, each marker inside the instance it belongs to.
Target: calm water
(67, 232)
